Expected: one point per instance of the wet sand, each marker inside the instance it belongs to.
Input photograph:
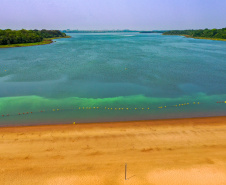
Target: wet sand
(157, 152)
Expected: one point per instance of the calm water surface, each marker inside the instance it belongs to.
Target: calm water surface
(112, 71)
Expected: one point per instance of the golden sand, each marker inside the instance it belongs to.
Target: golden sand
(158, 152)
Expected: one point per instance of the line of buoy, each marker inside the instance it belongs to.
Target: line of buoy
(108, 108)
(221, 102)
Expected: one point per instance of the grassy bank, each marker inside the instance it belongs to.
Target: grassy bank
(45, 41)
(206, 38)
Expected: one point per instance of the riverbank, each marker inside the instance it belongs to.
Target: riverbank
(45, 41)
(205, 38)
(175, 151)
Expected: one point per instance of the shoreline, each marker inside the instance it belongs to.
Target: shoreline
(44, 42)
(174, 151)
(119, 122)
(205, 38)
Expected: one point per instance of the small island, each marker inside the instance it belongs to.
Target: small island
(21, 38)
(210, 34)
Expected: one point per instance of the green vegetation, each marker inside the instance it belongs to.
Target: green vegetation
(19, 38)
(45, 41)
(213, 34)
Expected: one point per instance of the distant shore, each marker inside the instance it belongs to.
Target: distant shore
(174, 151)
(44, 42)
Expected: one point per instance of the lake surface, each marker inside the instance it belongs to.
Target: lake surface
(63, 82)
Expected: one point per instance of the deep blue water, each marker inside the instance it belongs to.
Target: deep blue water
(112, 71)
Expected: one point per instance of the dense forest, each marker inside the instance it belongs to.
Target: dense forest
(207, 33)
(27, 36)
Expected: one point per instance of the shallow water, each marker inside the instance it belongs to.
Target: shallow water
(112, 71)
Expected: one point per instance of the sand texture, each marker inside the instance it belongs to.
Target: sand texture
(158, 152)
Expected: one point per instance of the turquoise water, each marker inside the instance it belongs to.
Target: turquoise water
(112, 71)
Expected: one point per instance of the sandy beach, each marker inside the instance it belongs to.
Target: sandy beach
(158, 152)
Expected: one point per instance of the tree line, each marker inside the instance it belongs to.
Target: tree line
(208, 33)
(9, 36)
